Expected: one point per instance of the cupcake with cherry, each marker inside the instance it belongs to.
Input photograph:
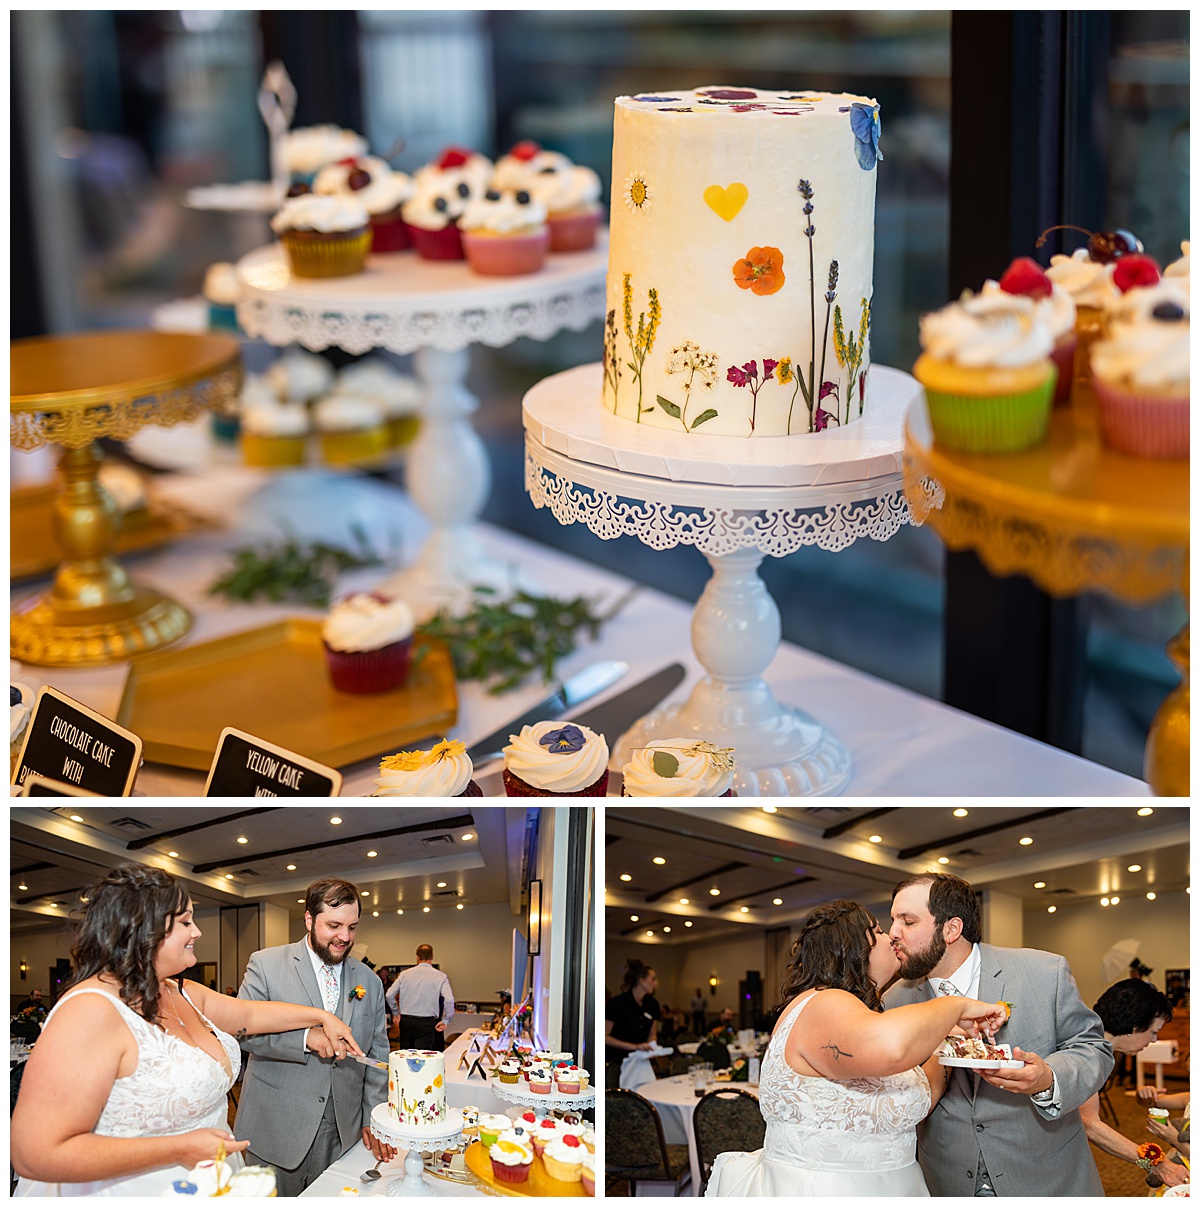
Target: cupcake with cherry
(443, 191)
(569, 191)
(443, 771)
(368, 643)
(308, 149)
(374, 184)
(679, 767)
(504, 233)
(552, 758)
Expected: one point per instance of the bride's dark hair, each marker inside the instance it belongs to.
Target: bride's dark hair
(834, 952)
(128, 914)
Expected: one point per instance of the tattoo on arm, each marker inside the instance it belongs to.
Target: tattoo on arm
(838, 1053)
(242, 1033)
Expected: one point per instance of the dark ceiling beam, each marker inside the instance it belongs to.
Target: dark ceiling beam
(57, 895)
(728, 867)
(758, 892)
(25, 869)
(870, 815)
(995, 828)
(146, 840)
(461, 821)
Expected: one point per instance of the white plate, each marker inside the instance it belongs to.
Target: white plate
(961, 1062)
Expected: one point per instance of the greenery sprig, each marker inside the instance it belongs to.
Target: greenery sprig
(293, 571)
(501, 641)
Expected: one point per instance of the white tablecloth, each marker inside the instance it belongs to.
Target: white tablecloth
(348, 1169)
(903, 744)
(462, 1090)
(675, 1099)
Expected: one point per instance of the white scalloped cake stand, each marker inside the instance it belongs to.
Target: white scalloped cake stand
(736, 501)
(543, 1102)
(435, 310)
(413, 1184)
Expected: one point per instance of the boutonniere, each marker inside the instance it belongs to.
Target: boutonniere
(358, 993)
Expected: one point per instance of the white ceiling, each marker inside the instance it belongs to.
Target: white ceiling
(417, 849)
(802, 856)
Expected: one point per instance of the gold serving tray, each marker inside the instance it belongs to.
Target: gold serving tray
(538, 1185)
(33, 548)
(272, 682)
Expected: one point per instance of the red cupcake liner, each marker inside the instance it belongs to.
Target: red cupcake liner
(472, 789)
(574, 232)
(1142, 426)
(366, 672)
(510, 1173)
(514, 786)
(1063, 356)
(445, 244)
(389, 232)
(506, 255)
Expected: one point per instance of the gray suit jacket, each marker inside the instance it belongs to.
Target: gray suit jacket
(285, 1087)
(1026, 1150)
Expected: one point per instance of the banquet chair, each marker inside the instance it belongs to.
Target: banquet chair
(635, 1149)
(726, 1120)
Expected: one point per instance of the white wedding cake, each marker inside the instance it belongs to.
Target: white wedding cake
(741, 248)
(417, 1089)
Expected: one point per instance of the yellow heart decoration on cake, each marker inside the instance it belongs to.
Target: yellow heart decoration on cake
(726, 202)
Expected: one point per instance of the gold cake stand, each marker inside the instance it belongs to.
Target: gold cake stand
(1072, 515)
(71, 390)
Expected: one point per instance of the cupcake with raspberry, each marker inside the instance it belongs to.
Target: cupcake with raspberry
(1141, 370)
(307, 149)
(987, 374)
(546, 1131)
(443, 191)
(368, 642)
(374, 184)
(679, 767)
(556, 759)
(443, 771)
(1052, 307)
(563, 1158)
(351, 429)
(274, 435)
(567, 1080)
(504, 234)
(324, 236)
(511, 1162)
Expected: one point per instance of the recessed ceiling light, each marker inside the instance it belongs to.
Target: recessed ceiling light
(172, 854)
(299, 900)
(684, 901)
(1026, 842)
(1039, 884)
(1103, 900)
(1145, 812)
(626, 877)
(372, 854)
(1051, 909)
(770, 809)
(744, 910)
(441, 884)
(1151, 896)
(243, 841)
(365, 893)
(399, 911)
(375, 913)
(459, 905)
(425, 910)
(1134, 867)
(635, 917)
(54, 905)
(228, 875)
(24, 887)
(659, 860)
(714, 892)
(687, 924)
(76, 817)
(649, 934)
(1116, 900)
(666, 930)
(291, 867)
(943, 859)
(467, 837)
(960, 812)
(777, 901)
(875, 838)
(335, 821)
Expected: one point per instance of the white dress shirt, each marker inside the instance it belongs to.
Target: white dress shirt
(416, 992)
(319, 967)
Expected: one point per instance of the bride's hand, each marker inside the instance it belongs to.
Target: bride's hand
(203, 1143)
(981, 1018)
(340, 1035)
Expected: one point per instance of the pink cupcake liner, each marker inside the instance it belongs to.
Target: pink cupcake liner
(515, 786)
(445, 244)
(1143, 426)
(1063, 356)
(389, 232)
(505, 255)
(366, 672)
(574, 232)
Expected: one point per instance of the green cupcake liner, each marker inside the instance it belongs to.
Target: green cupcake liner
(1006, 423)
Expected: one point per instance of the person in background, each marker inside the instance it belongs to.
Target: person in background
(422, 997)
(32, 1002)
(1133, 1012)
(699, 1012)
(666, 1026)
(502, 1015)
(630, 1018)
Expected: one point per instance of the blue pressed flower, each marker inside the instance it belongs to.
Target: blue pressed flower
(415, 1063)
(566, 740)
(864, 121)
(658, 100)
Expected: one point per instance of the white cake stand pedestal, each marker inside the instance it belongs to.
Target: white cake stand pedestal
(736, 502)
(413, 1184)
(542, 1103)
(437, 310)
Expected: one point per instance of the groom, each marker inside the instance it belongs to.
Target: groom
(301, 1108)
(1005, 1132)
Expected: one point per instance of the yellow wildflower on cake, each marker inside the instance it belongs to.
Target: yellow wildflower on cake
(444, 770)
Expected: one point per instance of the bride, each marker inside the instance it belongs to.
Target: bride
(843, 1085)
(125, 1089)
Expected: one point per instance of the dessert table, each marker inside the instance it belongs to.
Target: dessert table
(348, 1169)
(902, 744)
(675, 1099)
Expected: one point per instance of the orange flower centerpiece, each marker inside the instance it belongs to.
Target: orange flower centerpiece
(761, 271)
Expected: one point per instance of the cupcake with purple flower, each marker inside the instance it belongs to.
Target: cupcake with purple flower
(554, 758)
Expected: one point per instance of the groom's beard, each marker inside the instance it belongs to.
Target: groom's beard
(921, 963)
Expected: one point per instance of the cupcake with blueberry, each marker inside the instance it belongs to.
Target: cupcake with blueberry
(444, 771)
(1053, 307)
(987, 373)
(679, 767)
(511, 1162)
(324, 236)
(541, 1081)
(556, 759)
(444, 189)
(504, 234)
(374, 184)
(274, 435)
(351, 428)
(307, 149)
(569, 191)
(368, 643)
(567, 1080)
(1141, 370)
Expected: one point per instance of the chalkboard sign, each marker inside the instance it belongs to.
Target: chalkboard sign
(39, 785)
(68, 742)
(247, 766)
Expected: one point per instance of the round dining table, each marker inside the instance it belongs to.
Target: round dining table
(675, 1100)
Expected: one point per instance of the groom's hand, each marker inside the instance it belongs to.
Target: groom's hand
(1034, 1076)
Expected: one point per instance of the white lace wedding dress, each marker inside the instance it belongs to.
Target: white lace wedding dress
(175, 1088)
(833, 1138)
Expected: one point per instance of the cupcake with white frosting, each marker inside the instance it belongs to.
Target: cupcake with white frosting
(1090, 284)
(221, 290)
(679, 767)
(553, 758)
(397, 393)
(445, 770)
(504, 233)
(587, 1175)
(563, 1158)
(987, 373)
(569, 191)
(324, 236)
(274, 434)
(351, 428)
(1181, 269)
(307, 149)
(383, 191)
(511, 1162)
(444, 189)
(368, 642)
(297, 376)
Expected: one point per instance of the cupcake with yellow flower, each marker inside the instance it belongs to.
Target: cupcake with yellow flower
(511, 1162)
(444, 771)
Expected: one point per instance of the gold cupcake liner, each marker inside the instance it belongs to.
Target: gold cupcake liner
(271, 452)
(321, 254)
(341, 448)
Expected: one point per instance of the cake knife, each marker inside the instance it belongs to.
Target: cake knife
(374, 1064)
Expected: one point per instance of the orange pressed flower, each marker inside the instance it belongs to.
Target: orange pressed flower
(761, 271)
